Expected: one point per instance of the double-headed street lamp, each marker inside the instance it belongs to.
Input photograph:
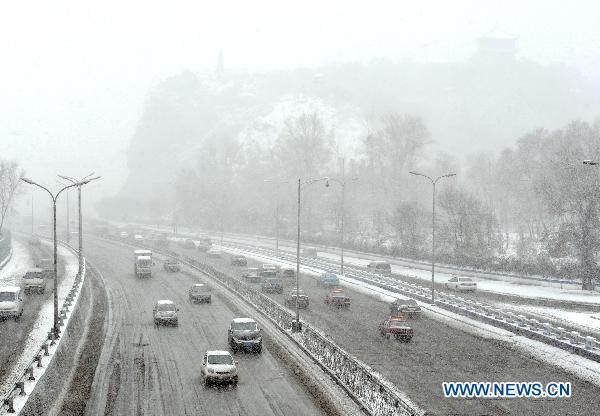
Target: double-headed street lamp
(56, 329)
(79, 183)
(277, 183)
(296, 325)
(342, 182)
(433, 182)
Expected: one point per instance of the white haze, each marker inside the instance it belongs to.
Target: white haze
(74, 74)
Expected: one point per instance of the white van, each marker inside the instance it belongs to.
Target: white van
(11, 302)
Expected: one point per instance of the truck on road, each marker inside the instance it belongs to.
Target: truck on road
(142, 263)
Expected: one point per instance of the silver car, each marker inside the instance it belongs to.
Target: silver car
(219, 366)
(165, 313)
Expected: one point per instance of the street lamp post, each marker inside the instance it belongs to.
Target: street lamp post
(79, 184)
(433, 182)
(296, 325)
(342, 182)
(277, 183)
(56, 329)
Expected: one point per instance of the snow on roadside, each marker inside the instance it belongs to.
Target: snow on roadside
(43, 323)
(580, 367)
(21, 261)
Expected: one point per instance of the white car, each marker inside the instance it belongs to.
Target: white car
(219, 366)
(11, 302)
(461, 284)
(123, 234)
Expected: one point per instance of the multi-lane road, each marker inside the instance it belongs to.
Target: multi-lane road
(148, 370)
(437, 353)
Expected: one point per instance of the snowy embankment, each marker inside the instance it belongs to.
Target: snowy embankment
(13, 271)
(582, 368)
(43, 323)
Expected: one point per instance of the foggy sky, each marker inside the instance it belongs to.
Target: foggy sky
(74, 75)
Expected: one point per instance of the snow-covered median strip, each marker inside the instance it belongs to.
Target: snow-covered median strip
(581, 367)
(39, 336)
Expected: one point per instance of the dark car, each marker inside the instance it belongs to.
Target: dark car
(287, 272)
(380, 267)
(405, 307)
(397, 328)
(251, 275)
(337, 298)
(290, 299)
(239, 261)
(171, 265)
(243, 333)
(272, 285)
(200, 293)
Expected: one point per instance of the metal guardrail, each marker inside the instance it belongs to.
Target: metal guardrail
(35, 367)
(377, 396)
(572, 341)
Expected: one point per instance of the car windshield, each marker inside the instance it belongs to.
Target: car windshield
(397, 324)
(33, 275)
(199, 288)
(465, 279)
(244, 326)
(220, 359)
(7, 296)
(384, 266)
(166, 307)
(145, 262)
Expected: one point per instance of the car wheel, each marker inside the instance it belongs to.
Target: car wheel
(259, 348)
(235, 381)
(387, 336)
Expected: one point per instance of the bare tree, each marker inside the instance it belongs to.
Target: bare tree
(9, 181)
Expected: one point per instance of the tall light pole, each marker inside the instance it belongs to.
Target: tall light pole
(277, 183)
(433, 182)
(342, 182)
(56, 329)
(297, 326)
(79, 184)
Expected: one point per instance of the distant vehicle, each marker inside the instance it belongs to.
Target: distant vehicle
(204, 244)
(397, 328)
(267, 270)
(239, 261)
(214, 253)
(405, 307)
(337, 298)
(272, 285)
(380, 267)
(287, 272)
(328, 279)
(46, 264)
(34, 280)
(124, 235)
(34, 241)
(138, 238)
(290, 299)
(165, 313)
(200, 293)
(251, 275)
(463, 284)
(188, 243)
(142, 263)
(244, 333)
(309, 252)
(219, 366)
(172, 265)
(11, 302)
